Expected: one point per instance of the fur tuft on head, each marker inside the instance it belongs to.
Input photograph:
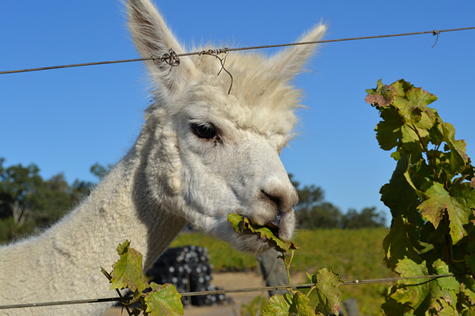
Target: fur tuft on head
(236, 168)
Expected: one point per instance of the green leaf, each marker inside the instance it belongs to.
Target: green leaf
(279, 305)
(400, 242)
(420, 98)
(300, 305)
(413, 291)
(242, 225)
(163, 300)
(457, 148)
(439, 201)
(328, 291)
(445, 283)
(388, 131)
(128, 270)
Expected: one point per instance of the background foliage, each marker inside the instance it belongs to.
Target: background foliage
(30, 204)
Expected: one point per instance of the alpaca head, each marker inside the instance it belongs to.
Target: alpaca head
(213, 153)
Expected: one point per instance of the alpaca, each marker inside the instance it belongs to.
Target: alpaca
(202, 154)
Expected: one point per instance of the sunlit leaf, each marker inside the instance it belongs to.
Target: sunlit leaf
(278, 305)
(413, 291)
(438, 202)
(242, 225)
(328, 292)
(128, 270)
(163, 300)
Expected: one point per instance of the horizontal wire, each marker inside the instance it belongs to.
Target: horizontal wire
(253, 289)
(434, 32)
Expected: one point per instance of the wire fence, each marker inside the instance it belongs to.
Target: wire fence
(225, 50)
(224, 291)
(173, 58)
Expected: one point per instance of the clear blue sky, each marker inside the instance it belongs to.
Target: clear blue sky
(67, 120)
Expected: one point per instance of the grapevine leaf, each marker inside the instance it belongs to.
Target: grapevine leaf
(470, 257)
(163, 300)
(457, 148)
(393, 308)
(128, 270)
(443, 300)
(399, 243)
(278, 305)
(388, 131)
(469, 290)
(445, 283)
(440, 307)
(420, 98)
(242, 225)
(328, 291)
(300, 305)
(438, 202)
(413, 291)
(377, 99)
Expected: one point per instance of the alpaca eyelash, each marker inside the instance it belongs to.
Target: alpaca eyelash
(204, 131)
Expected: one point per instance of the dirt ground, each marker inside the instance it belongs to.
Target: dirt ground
(228, 280)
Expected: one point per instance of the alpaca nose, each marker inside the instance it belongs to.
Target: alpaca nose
(282, 201)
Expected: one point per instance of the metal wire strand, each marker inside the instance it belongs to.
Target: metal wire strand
(177, 56)
(254, 289)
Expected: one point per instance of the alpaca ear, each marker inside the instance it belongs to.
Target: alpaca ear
(153, 38)
(290, 61)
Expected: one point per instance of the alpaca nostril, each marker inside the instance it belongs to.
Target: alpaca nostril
(276, 220)
(282, 201)
(276, 201)
(274, 225)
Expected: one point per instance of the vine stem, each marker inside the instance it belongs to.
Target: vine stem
(287, 266)
(122, 299)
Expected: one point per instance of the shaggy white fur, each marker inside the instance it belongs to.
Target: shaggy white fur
(201, 154)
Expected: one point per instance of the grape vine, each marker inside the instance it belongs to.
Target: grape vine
(431, 196)
(326, 283)
(152, 299)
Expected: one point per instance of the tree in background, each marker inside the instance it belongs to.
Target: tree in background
(314, 212)
(28, 203)
(368, 217)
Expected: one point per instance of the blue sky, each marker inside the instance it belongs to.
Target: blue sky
(67, 120)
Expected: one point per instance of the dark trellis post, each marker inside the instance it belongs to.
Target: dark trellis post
(273, 270)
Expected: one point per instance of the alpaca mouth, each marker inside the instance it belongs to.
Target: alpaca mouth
(274, 225)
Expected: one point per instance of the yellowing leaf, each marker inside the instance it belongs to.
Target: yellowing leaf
(278, 305)
(128, 270)
(328, 291)
(300, 305)
(163, 300)
(242, 225)
(413, 291)
(438, 202)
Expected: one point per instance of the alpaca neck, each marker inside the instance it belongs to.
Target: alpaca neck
(65, 261)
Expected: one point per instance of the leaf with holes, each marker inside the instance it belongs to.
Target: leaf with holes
(242, 225)
(163, 300)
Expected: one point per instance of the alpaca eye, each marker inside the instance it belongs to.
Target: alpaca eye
(207, 131)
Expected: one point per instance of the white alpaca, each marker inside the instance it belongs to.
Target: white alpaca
(201, 154)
